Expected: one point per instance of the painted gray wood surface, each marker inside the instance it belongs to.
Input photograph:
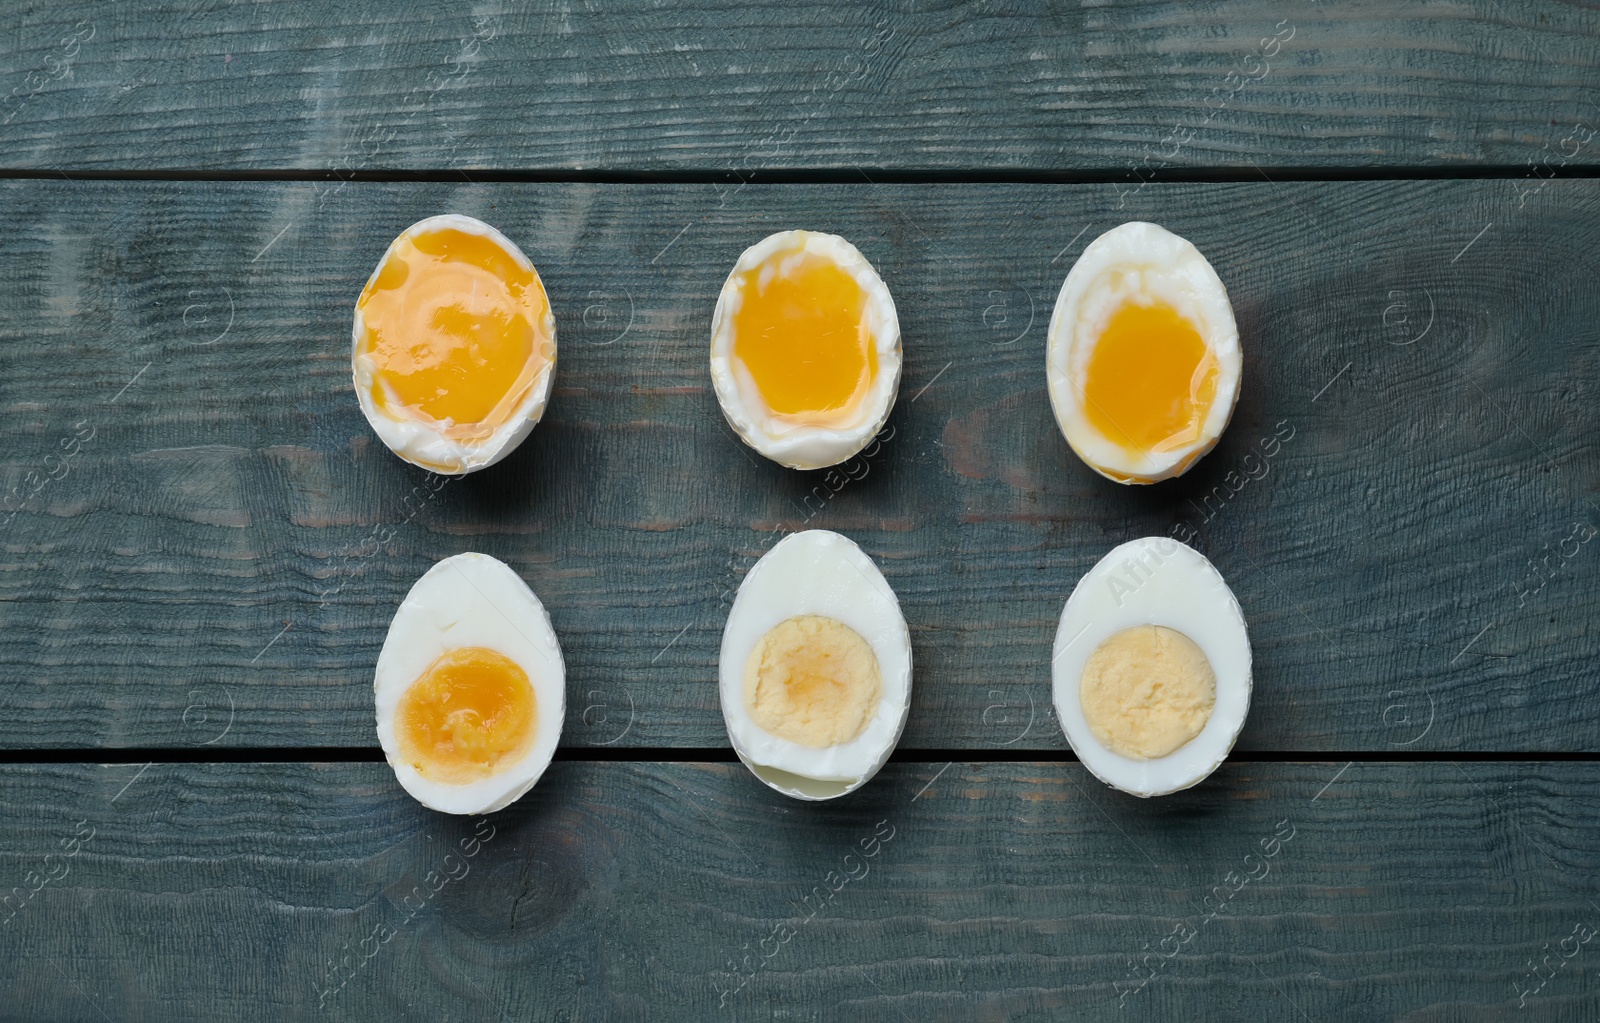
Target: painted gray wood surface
(633, 891)
(219, 563)
(720, 86)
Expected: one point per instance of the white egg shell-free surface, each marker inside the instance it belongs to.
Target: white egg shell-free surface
(417, 442)
(1154, 581)
(804, 447)
(816, 572)
(472, 600)
(1143, 264)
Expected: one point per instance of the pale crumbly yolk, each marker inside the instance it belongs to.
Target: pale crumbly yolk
(805, 340)
(470, 712)
(1151, 380)
(813, 681)
(1146, 691)
(454, 330)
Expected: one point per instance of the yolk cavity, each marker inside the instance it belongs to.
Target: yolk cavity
(454, 331)
(1146, 691)
(813, 681)
(472, 710)
(801, 331)
(1151, 380)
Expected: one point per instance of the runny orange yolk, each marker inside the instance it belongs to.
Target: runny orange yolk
(454, 330)
(472, 710)
(805, 340)
(1151, 380)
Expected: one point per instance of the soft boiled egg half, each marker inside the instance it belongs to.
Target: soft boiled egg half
(1143, 357)
(455, 345)
(1151, 669)
(470, 687)
(815, 670)
(805, 349)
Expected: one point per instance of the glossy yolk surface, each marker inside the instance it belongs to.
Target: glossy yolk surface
(453, 328)
(813, 681)
(472, 710)
(1151, 380)
(804, 338)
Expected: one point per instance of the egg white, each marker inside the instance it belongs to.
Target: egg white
(419, 443)
(816, 572)
(1154, 581)
(472, 600)
(804, 447)
(1143, 264)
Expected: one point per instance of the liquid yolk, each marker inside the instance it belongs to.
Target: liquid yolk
(454, 332)
(805, 341)
(472, 710)
(1151, 380)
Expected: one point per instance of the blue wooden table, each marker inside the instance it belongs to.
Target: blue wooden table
(196, 822)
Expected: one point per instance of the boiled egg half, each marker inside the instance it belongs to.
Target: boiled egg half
(455, 345)
(470, 687)
(815, 670)
(1143, 358)
(805, 349)
(1151, 669)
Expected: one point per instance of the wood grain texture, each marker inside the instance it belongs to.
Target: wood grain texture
(997, 892)
(220, 562)
(718, 86)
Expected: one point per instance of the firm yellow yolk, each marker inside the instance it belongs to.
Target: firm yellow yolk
(1147, 691)
(454, 329)
(804, 338)
(813, 681)
(472, 710)
(1151, 380)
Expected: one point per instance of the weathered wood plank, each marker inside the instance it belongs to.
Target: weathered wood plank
(1019, 892)
(722, 86)
(209, 568)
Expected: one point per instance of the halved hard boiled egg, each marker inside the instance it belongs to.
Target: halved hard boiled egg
(815, 670)
(805, 349)
(470, 687)
(1143, 358)
(1151, 669)
(454, 345)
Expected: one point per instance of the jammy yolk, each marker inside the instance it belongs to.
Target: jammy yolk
(454, 331)
(801, 331)
(1151, 380)
(472, 710)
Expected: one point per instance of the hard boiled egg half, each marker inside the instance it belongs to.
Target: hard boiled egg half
(1143, 356)
(1151, 670)
(455, 345)
(815, 671)
(805, 349)
(470, 687)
